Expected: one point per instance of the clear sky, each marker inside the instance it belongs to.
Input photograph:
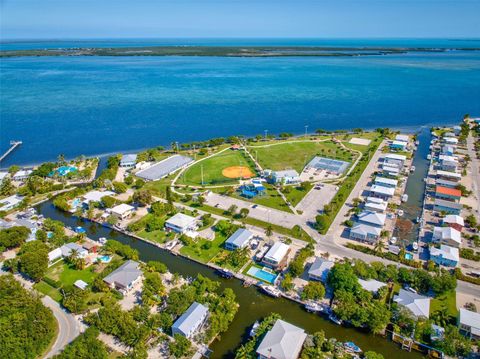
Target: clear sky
(238, 18)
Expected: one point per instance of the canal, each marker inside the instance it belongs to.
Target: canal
(415, 190)
(253, 304)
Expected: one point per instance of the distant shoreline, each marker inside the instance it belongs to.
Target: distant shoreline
(229, 51)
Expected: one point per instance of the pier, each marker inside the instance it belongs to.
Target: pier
(13, 145)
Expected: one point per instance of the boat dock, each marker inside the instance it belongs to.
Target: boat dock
(13, 145)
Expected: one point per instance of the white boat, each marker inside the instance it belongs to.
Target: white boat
(404, 197)
(102, 240)
(412, 169)
(393, 240)
(334, 319)
(415, 246)
(270, 290)
(400, 212)
(417, 142)
(429, 156)
(313, 307)
(254, 329)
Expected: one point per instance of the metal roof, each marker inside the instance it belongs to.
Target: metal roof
(320, 268)
(191, 318)
(277, 252)
(418, 304)
(240, 237)
(164, 167)
(283, 341)
(124, 275)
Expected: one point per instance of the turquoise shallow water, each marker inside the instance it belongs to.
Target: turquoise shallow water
(94, 105)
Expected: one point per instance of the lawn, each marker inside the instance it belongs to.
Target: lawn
(47, 289)
(158, 188)
(296, 155)
(220, 260)
(199, 249)
(212, 169)
(159, 235)
(295, 194)
(448, 300)
(67, 275)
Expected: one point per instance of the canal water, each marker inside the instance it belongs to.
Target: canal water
(415, 189)
(253, 304)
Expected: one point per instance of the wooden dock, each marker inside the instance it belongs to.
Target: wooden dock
(13, 145)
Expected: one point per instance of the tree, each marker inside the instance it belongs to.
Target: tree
(108, 201)
(7, 188)
(269, 231)
(13, 237)
(200, 200)
(244, 212)
(372, 355)
(74, 299)
(321, 222)
(287, 282)
(180, 347)
(85, 346)
(232, 209)
(33, 260)
(342, 277)
(379, 246)
(143, 197)
(313, 291)
(120, 187)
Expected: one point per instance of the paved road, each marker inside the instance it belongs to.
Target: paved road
(475, 166)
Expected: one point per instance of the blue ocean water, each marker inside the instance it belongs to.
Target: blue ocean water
(95, 105)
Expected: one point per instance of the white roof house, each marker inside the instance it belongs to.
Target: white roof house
(402, 138)
(283, 341)
(447, 235)
(453, 219)
(68, 248)
(21, 175)
(3, 175)
(448, 174)
(80, 284)
(375, 204)
(372, 218)
(190, 321)
(398, 144)
(418, 304)
(382, 191)
(276, 253)
(96, 196)
(128, 160)
(448, 158)
(395, 158)
(390, 170)
(386, 182)
(469, 322)
(122, 210)
(285, 176)
(371, 285)
(124, 277)
(446, 252)
(450, 140)
(9, 203)
(319, 269)
(54, 255)
(365, 232)
(239, 239)
(181, 223)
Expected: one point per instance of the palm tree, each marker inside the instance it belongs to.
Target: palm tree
(441, 316)
(269, 231)
(379, 246)
(72, 258)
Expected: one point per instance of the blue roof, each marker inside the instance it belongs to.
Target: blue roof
(190, 318)
(240, 237)
(248, 193)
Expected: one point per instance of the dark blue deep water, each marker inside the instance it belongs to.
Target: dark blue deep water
(95, 105)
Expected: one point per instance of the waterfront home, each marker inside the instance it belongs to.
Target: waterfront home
(395, 159)
(181, 223)
(31, 225)
(454, 221)
(469, 323)
(283, 341)
(398, 145)
(371, 285)
(285, 177)
(3, 175)
(385, 182)
(374, 204)
(448, 150)
(190, 321)
(54, 256)
(124, 277)
(8, 203)
(457, 130)
(450, 141)
(447, 235)
(94, 197)
(164, 168)
(441, 205)
(449, 194)
(364, 232)
(418, 304)
(448, 163)
(445, 255)
(240, 239)
(21, 175)
(122, 211)
(374, 219)
(276, 257)
(128, 161)
(402, 138)
(384, 193)
(319, 269)
(450, 176)
(446, 183)
(70, 248)
(390, 171)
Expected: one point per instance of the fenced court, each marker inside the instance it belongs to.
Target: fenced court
(328, 164)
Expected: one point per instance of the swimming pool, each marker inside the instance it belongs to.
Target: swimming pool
(262, 274)
(409, 256)
(104, 259)
(75, 203)
(64, 170)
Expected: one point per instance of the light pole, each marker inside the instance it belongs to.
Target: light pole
(306, 129)
(266, 132)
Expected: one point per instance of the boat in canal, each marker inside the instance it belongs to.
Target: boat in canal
(225, 273)
(271, 290)
(102, 240)
(253, 330)
(332, 317)
(351, 347)
(313, 307)
(412, 169)
(404, 197)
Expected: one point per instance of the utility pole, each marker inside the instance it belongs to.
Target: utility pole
(306, 129)
(194, 153)
(201, 172)
(266, 132)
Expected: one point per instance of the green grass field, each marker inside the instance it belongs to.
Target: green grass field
(296, 155)
(67, 275)
(212, 169)
(448, 300)
(199, 252)
(295, 194)
(47, 289)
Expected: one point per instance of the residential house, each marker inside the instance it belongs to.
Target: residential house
(364, 232)
(390, 171)
(395, 159)
(447, 235)
(449, 207)
(385, 182)
(469, 323)
(450, 141)
(190, 321)
(374, 219)
(449, 194)
(124, 277)
(418, 304)
(457, 130)
(3, 175)
(382, 192)
(448, 163)
(21, 175)
(446, 183)
(122, 211)
(445, 255)
(54, 256)
(276, 256)
(128, 161)
(319, 269)
(240, 239)
(285, 177)
(374, 204)
(181, 223)
(398, 145)
(454, 221)
(402, 138)
(68, 248)
(94, 197)
(283, 341)
(448, 150)
(8, 203)
(371, 285)
(449, 176)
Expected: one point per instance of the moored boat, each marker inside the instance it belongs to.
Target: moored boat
(351, 347)
(225, 273)
(253, 330)
(412, 169)
(404, 197)
(334, 319)
(102, 240)
(270, 290)
(313, 307)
